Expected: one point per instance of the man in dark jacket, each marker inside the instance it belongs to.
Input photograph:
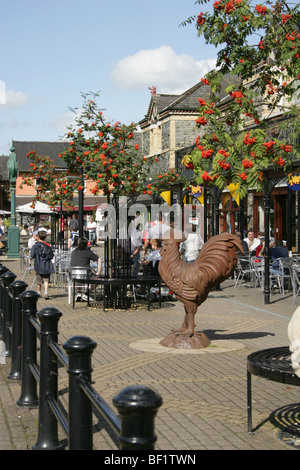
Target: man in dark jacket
(277, 250)
(42, 254)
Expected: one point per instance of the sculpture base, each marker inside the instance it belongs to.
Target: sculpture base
(183, 341)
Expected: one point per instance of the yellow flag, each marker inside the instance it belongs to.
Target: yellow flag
(233, 189)
(166, 195)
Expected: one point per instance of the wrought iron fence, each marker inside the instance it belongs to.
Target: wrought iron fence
(25, 332)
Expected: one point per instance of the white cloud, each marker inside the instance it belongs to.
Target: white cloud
(63, 121)
(11, 100)
(161, 67)
(15, 99)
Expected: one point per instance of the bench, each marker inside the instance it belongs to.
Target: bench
(273, 364)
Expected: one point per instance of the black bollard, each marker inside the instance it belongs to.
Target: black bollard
(15, 289)
(6, 279)
(137, 407)
(48, 426)
(28, 396)
(3, 269)
(79, 350)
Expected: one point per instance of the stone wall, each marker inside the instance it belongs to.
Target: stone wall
(165, 135)
(185, 133)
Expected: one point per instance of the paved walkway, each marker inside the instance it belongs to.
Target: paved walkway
(204, 392)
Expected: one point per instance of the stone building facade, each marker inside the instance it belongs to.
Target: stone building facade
(168, 131)
(169, 125)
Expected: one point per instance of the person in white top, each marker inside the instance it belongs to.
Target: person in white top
(32, 240)
(156, 232)
(251, 241)
(91, 227)
(191, 247)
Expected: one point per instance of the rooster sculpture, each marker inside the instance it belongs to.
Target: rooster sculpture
(192, 282)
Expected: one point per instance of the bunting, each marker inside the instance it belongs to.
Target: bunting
(233, 189)
(294, 182)
(198, 192)
(166, 195)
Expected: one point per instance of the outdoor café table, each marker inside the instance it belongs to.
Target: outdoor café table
(146, 281)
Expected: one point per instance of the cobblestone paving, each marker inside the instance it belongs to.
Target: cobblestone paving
(204, 394)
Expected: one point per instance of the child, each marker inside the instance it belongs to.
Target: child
(42, 254)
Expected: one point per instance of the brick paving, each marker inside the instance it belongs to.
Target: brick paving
(204, 392)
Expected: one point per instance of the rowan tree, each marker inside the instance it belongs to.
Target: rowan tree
(257, 126)
(106, 154)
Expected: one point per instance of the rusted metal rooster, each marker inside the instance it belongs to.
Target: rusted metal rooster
(192, 282)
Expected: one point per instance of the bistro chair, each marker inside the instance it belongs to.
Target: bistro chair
(285, 273)
(258, 266)
(62, 264)
(244, 269)
(296, 281)
(76, 272)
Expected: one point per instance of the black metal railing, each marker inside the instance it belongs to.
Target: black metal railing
(23, 328)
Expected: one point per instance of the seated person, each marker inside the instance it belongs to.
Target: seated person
(82, 256)
(151, 261)
(277, 250)
(3, 243)
(260, 250)
(252, 242)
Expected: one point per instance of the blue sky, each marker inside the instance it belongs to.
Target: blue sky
(52, 50)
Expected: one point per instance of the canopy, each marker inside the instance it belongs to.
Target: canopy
(39, 207)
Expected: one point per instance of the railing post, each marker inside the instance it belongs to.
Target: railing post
(28, 396)
(6, 279)
(137, 407)
(3, 269)
(15, 289)
(48, 426)
(79, 350)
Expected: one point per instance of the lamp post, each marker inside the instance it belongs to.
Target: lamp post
(13, 236)
(80, 211)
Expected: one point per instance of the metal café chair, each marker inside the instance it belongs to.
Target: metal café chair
(25, 259)
(76, 272)
(285, 272)
(27, 265)
(282, 267)
(62, 262)
(244, 269)
(296, 281)
(258, 266)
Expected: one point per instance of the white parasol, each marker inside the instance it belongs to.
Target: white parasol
(35, 207)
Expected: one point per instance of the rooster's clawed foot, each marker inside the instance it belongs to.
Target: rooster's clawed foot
(184, 332)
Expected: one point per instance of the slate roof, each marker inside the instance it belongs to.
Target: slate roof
(46, 149)
(187, 101)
